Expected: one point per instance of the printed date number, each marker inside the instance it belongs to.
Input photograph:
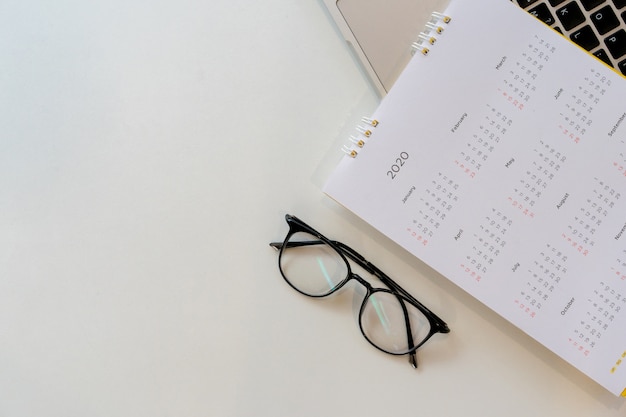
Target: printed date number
(395, 168)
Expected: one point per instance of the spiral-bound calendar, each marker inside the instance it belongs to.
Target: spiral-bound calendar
(499, 159)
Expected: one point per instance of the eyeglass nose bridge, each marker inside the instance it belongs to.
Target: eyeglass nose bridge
(361, 281)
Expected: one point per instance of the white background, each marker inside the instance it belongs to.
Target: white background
(148, 153)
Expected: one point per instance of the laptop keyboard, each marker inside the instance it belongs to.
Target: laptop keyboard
(596, 25)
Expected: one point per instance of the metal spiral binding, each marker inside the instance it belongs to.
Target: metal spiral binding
(428, 37)
(365, 132)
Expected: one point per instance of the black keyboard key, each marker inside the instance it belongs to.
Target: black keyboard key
(542, 13)
(619, 3)
(616, 43)
(570, 15)
(555, 3)
(590, 4)
(622, 66)
(585, 38)
(525, 3)
(605, 20)
(601, 53)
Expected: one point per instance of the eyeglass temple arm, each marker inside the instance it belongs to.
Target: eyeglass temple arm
(279, 245)
(276, 245)
(409, 334)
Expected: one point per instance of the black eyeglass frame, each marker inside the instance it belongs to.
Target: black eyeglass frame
(437, 325)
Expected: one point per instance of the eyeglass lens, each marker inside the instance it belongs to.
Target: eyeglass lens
(317, 269)
(384, 319)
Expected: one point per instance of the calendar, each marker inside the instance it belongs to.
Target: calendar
(499, 159)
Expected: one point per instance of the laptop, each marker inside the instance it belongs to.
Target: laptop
(381, 32)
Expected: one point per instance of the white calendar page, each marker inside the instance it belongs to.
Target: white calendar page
(500, 160)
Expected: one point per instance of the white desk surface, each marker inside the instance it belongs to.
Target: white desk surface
(149, 152)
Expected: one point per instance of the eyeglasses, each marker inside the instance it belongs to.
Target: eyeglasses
(391, 319)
